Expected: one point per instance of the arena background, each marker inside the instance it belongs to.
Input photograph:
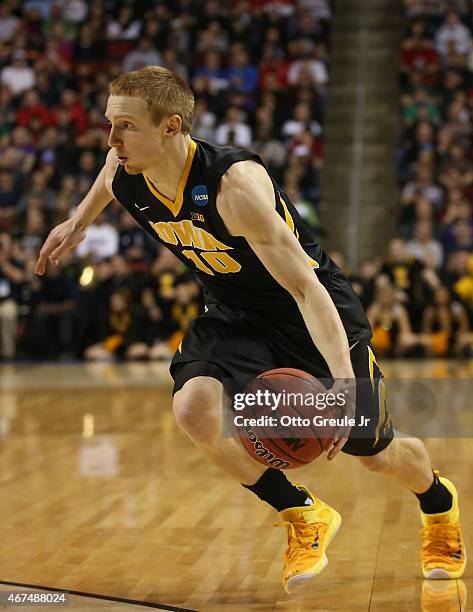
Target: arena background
(363, 113)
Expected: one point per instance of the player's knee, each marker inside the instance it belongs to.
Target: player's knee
(198, 411)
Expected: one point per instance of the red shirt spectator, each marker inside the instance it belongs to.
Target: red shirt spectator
(32, 108)
(273, 74)
(421, 56)
(77, 114)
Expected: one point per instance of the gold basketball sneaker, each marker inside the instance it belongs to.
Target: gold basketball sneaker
(310, 529)
(443, 549)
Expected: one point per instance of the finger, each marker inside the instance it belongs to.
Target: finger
(40, 267)
(45, 253)
(336, 448)
(58, 251)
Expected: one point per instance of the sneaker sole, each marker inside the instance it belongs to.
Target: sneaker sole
(295, 583)
(441, 574)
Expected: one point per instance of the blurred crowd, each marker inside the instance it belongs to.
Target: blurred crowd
(419, 299)
(260, 73)
(259, 70)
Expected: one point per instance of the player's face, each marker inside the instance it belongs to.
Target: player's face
(137, 142)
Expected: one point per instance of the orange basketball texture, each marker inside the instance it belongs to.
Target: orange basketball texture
(286, 447)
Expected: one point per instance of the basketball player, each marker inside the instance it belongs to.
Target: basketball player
(273, 299)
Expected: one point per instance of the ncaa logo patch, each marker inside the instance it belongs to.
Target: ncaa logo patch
(200, 195)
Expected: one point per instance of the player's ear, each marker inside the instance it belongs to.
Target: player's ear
(173, 125)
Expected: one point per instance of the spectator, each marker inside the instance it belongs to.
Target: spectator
(445, 325)
(9, 194)
(419, 54)
(118, 342)
(212, 72)
(11, 276)
(18, 76)
(424, 244)
(424, 186)
(461, 236)
(234, 130)
(9, 23)
(392, 332)
(405, 274)
(31, 109)
(302, 120)
(144, 54)
(421, 107)
(35, 232)
(171, 62)
(273, 70)
(101, 240)
(74, 110)
(364, 283)
(52, 331)
(312, 67)
(39, 190)
(242, 75)
(203, 121)
(87, 171)
(75, 10)
(453, 30)
(125, 27)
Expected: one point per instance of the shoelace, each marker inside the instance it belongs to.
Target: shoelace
(440, 540)
(301, 538)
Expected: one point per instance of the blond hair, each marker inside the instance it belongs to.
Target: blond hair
(164, 92)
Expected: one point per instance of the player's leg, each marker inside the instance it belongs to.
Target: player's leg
(311, 523)
(238, 343)
(443, 550)
(198, 405)
(407, 460)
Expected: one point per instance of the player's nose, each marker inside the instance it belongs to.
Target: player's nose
(113, 140)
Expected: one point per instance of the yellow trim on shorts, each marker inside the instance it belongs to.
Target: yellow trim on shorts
(382, 408)
(371, 362)
(381, 394)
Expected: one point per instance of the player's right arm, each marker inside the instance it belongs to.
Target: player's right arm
(69, 234)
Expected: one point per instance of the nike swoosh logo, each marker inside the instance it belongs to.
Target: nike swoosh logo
(144, 208)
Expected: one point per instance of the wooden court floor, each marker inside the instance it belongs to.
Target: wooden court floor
(101, 494)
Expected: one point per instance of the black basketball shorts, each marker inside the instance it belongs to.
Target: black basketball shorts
(228, 343)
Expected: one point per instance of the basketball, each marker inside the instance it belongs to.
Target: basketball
(294, 433)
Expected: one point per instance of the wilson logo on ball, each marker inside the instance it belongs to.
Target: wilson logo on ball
(263, 453)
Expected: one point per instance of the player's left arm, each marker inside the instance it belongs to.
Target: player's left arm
(247, 206)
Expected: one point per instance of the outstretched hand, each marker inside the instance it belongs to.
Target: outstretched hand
(62, 238)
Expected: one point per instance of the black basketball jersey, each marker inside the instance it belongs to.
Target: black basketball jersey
(227, 267)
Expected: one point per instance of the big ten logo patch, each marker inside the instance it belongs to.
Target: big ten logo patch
(197, 217)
